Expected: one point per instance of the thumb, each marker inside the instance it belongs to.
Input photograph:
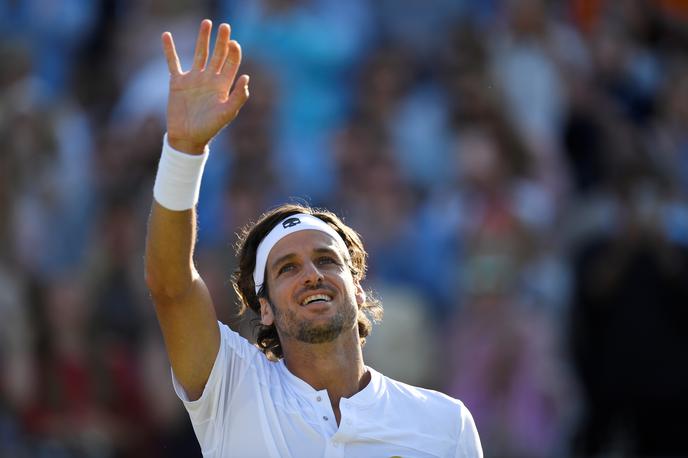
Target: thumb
(236, 99)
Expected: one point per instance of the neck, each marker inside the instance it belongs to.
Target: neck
(335, 366)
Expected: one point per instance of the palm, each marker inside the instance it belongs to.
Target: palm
(200, 101)
(194, 107)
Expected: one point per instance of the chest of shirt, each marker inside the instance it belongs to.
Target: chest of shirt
(276, 420)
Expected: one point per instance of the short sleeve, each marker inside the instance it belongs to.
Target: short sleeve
(232, 362)
(469, 442)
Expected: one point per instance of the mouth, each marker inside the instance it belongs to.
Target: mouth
(316, 299)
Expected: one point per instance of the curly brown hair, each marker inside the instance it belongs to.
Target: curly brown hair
(242, 279)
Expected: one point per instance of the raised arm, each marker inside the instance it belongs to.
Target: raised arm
(201, 102)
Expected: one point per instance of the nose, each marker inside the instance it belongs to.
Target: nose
(311, 274)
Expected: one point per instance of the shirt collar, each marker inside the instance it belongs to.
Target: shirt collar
(371, 392)
(367, 396)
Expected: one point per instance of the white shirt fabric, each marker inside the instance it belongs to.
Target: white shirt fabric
(253, 407)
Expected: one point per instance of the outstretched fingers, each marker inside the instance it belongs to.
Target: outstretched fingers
(202, 45)
(221, 49)
(229, 71)
(171, 54)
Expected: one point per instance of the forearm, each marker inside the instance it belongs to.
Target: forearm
(172, 222)
(169, 250)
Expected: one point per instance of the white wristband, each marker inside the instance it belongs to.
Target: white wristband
(178, 181)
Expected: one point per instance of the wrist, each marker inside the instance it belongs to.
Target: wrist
(178, 180)
(186, 146)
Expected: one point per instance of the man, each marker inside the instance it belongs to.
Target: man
(300, 270)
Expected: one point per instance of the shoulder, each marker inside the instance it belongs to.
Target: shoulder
(423, 398)
(432, 414)
(236, 343)
(430, 406)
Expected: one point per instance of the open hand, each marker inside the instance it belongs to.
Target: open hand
(201, 100)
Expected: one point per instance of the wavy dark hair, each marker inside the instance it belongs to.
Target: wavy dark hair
(242, 279)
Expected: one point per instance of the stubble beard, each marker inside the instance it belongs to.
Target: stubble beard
(303, 330)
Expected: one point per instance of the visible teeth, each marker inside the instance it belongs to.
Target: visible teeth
(316, 297)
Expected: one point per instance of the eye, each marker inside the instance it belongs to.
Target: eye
(324, 260)
(285, 268)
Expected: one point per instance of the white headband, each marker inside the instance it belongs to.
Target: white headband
(289, 225)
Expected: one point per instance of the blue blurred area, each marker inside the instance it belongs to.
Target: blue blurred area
(518, 170)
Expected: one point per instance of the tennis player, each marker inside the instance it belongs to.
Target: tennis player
(304, 389)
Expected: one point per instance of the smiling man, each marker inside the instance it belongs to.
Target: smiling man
(304, 390)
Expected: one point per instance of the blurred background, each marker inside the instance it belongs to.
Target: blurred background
(518, 170)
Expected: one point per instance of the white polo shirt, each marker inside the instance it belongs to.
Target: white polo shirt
(252, 407)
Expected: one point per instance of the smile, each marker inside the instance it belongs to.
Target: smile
(316, 298)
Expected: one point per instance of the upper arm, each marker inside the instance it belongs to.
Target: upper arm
(192, 336)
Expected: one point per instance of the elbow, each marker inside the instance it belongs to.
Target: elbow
(165, 285)
(152, 279)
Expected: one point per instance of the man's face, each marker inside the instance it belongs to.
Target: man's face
(313, 295)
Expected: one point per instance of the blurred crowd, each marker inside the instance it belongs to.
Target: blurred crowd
(518, 170)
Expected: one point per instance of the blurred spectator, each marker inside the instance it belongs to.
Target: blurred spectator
(629, 330)
(419, 26)
(390, 347)
(505, 366)
(54, 32)
(86, 399)
(17, 375)
(504, 351)
(309, 47)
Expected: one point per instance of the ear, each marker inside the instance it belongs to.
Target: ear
(360, 295)
(267, 318)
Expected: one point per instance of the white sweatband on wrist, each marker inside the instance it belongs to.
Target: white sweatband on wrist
(289, 225)
(178, 181)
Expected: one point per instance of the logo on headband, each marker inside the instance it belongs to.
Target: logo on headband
(291, 222)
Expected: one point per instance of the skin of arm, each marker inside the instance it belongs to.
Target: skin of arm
(201, 102)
